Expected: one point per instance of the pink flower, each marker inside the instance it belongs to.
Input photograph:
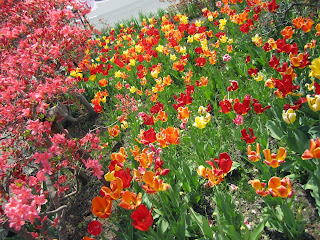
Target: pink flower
(219, 4)
(238, 120)
(226, 58)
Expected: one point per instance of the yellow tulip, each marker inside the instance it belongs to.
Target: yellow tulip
(289, 116)
(314, 102)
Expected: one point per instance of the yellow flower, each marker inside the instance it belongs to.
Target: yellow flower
(289, 116)
(159, 48)
(132, 62)
(223, 21)
(223, 39)
(230, 40)
(315, 68)
(198, 23)
(92, 78)
(173, 57)
(258, 78)
(190, 39)
(183, 50)
(117, 74)
(133, 89)
(314, 102)
(124, 125)
(200, 122)
(184, 19)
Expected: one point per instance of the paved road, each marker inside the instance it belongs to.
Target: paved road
(112, 11)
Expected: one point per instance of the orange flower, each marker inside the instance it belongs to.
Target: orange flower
(287, 32)
(103, 82)
(162, 116)
(274, 160)
(254, 156)
(307, 26)
(130, 200)
(101, 207)
(114, 131)
(145, 159)
(318, 30)
(153, 183)
(314, 151)
(154, 97)
(167, 80)
(114, 192)
(215, 176)
(119, 85)
(171, 135)
(297, 22)
(300, 61)
(259, 187)
(120, 156)
(280, 188)
(136, 151)
(183, 113)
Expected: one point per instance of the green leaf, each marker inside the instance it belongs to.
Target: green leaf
(298, 141)
(162, 226)
(202, 223)
(258, 230)
(275, 130)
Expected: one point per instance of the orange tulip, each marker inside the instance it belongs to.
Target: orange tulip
(297, 22)
(101, 207)
(114, 131)
(259, 187)
(153, 183)
(280, 188)
(114, 192)
(103, 82)
(287, 32)
(254, 156)
(171, 135)
(274, 160)
(215, 176)
(119, 85)
(135, 152)
(314, 151)
(183, 113)
(120, 156)
(162, 116)
(130, 200)
(307, 26)
(145, 159)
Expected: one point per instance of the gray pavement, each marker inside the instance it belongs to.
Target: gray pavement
(113, 11)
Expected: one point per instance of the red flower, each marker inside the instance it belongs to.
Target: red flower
(156, 108)
(248, 59)
(273, 6)
(142, 218)
(253, 71)
(234, 86)
(242, 108)
(224, 162)
(257, 107)
(147, 119)
(125, 176)
(201, 61)
(246, 137)
(95, 228)
(149, 136)
(244, 28)
(225, 106)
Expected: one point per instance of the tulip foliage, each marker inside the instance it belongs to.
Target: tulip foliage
(183, 93)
